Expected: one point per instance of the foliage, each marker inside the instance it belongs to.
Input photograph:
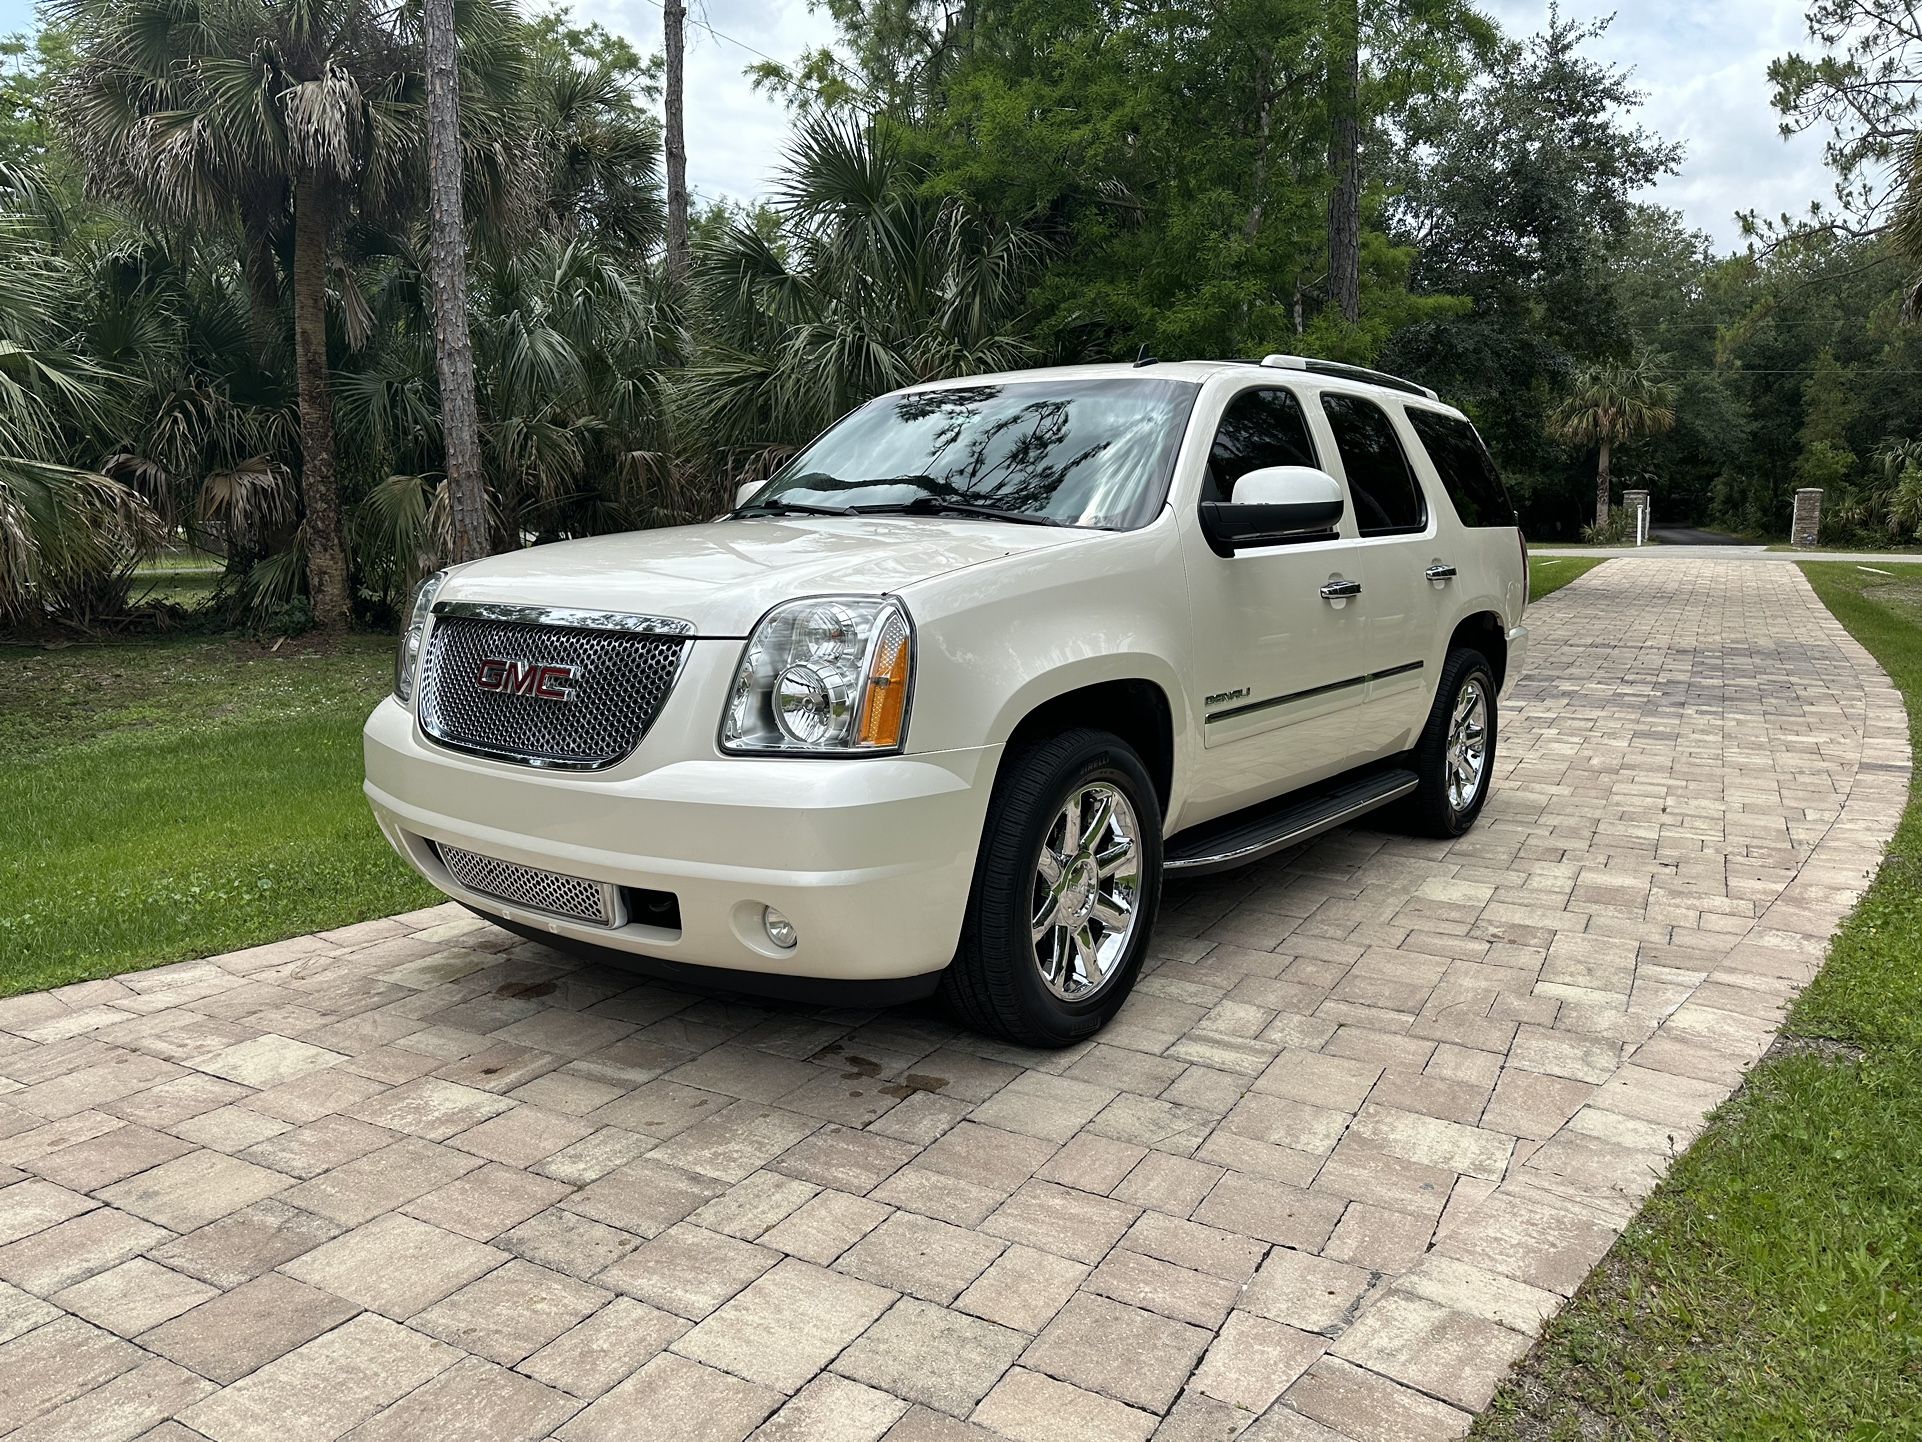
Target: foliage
(1864, 86)
(971, 185)
(1609, 404)
(870, 284)
(1520, 196)
(1772, 1286)
(69, 536)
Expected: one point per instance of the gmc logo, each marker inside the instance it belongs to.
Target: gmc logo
(543, 680)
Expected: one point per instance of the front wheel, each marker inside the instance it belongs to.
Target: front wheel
(1455, 757)
(1065, 890)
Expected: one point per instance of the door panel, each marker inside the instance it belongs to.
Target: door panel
(1280, 671)
(1397, 527)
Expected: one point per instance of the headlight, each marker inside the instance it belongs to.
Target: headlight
(413, 626)
(827, 675)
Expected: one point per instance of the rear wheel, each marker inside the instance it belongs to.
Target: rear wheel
(1065, 891)
(1455, 757)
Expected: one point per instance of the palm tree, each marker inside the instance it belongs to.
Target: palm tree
(674, 36)
(1609, 405)
(287, 120)
(571, 347)
(447, 270)
(869, 285)
(62, 525)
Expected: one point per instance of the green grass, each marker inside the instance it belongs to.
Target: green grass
(1849, 550)
(178, 798)
(1772, 1288)
(1550, 573)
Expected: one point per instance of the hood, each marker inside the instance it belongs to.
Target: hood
(725, 575)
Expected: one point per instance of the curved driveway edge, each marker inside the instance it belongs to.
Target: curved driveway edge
(1374, 1114)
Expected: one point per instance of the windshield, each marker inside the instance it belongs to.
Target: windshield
(1076, 453)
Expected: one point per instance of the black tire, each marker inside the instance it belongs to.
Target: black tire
(1429, 810)
(994, 984)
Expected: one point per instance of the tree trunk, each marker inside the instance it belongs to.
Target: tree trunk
(447, 271)
(1601, 489)
(327, 581)
(263, 292)
(1344, 158)
(674, 17)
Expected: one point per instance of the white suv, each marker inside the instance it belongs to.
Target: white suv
(940, 704)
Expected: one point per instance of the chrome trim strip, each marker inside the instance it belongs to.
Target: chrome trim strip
(1273, 701)
(1218, 861)
(631, 622)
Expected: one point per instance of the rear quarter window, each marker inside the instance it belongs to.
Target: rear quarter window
(1467, 472)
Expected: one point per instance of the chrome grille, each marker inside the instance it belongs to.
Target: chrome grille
(621, 681)
(531, 887)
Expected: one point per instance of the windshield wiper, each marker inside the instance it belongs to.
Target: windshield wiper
(786, 508)
(952, 506)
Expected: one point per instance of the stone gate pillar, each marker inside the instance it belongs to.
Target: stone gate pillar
(1806, 526)
(1636, 504)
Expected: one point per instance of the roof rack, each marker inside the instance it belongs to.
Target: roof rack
(1347, 372)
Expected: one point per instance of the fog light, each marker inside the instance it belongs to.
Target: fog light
(779, 929)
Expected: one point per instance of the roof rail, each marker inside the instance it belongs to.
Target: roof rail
(1347, 372)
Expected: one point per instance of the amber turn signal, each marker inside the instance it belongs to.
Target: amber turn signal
(886, 707)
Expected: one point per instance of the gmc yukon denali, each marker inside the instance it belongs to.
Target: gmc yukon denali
(939, 705)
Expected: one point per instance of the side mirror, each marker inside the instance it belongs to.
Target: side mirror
(745, 491)
(1273, 506)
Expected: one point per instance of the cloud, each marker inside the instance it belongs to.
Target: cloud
(1704, 66)
(735, 135)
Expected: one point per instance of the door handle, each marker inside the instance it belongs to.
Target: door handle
(1440, 571)
(1339, 590)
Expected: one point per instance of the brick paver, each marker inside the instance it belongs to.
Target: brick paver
(1374, 1111)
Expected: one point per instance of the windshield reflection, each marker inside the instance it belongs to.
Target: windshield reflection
(1083, 453)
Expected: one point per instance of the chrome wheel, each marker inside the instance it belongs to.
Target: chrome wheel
(1467, 753)
(1087, 881)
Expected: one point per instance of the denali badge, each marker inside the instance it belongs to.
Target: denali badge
(545, 681)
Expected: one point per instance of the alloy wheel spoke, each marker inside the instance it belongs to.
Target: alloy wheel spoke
(1054, 965)
(1113, 912)
(1087, 955)
(1097, 822)
(1108, 862)
(1044, 919)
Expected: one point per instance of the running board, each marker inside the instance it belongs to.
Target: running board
(1250, 835)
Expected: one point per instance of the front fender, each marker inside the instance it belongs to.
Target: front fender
(996, 641)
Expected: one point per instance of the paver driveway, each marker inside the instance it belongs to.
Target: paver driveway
(1376, 1110)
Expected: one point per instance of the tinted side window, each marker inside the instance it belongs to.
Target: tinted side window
(1259, 428)
(1467, 473)
(1380, 483)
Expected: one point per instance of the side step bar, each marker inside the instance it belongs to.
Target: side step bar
(1250, 835)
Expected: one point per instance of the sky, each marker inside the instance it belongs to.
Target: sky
(1703, 64)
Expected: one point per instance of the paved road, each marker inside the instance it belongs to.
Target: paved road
(1723, 554)
(1374, 1114)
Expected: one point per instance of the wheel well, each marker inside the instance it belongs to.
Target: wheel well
(1136, 711)
(1485, 633)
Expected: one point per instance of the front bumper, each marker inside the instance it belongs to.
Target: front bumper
(871, 858)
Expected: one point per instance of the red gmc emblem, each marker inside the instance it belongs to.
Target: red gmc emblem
(543, 680)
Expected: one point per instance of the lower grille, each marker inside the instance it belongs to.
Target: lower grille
(529, 886)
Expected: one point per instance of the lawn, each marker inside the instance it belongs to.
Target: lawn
(1549, 574)
(180, 797)
(1772, 1288)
